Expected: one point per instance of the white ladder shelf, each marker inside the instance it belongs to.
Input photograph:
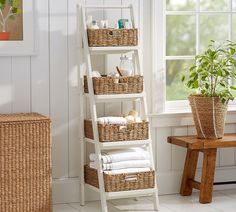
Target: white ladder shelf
(93, 99)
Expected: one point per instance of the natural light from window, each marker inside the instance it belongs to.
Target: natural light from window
(190, 25)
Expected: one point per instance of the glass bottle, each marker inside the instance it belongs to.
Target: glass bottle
(126, 66)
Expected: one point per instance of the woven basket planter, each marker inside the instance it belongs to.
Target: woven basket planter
(120, 182)
(106, 85)
(116, 132)
(209, 116)
(112, 37)
(25, 167)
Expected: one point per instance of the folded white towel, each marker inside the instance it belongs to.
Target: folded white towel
(127, 171)
(112, 120)
(122, 155)
(123, 165)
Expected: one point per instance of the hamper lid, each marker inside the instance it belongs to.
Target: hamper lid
(18, 117)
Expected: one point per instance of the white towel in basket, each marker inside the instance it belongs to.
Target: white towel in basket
(122, 155)
(123, 165)
(112, 120)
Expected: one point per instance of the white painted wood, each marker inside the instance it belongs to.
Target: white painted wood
(21, 84)
(5, 85)
(93, 110)
(59, 86)
(73, 58)
(178, 153)
(227, 156)
(113, 50)
(40, 74)
(119, 144)
(163, 149)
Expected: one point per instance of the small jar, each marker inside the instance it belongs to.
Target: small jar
(126, 66)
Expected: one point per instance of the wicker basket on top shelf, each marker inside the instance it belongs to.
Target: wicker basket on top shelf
(120, 182)
(117, 132)
(112, 37)
(106, 85)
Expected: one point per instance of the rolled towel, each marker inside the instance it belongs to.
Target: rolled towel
(123, 165)
(112, 120)
(122, 155)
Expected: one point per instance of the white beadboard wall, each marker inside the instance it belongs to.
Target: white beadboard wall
(47, 83)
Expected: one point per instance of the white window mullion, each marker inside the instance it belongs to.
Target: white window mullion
(198, 27)
(230, 19)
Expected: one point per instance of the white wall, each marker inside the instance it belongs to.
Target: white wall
(47, 83)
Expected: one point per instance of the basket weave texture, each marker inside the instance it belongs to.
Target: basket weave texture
(209, 116)
(116, 132)
(120, 182)
(112, 37)
(106, 85)
(25, 167)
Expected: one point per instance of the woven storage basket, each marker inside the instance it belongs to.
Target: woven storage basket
(120, 182)
(209, 116)
(116, 132)
(112, 37)
(25, 167)
(106, 85)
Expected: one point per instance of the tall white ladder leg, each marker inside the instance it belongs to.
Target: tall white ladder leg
(138, 60)
(93, 111)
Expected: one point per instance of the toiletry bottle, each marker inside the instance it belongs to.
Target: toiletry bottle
(94, 25)
(104, 24)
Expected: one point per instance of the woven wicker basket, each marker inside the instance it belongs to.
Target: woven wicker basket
(106, 85)
(121, 182)
(209, 116)
(116, 132)
(112, 37)
(25, 167)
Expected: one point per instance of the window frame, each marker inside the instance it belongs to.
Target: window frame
(159, 57)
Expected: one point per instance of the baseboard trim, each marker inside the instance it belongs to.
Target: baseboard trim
(67, 190)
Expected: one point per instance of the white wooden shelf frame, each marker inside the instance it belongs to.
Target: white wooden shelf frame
(93, 99)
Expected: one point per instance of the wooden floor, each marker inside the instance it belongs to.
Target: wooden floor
(223, 200)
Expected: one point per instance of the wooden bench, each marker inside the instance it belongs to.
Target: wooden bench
(209, 149)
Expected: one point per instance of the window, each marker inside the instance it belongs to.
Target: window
(187, 27)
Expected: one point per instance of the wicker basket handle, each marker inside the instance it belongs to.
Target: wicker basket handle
(115, 32)
(131, 178)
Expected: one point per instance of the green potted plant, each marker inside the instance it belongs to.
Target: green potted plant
(8, 11)
(212, 78)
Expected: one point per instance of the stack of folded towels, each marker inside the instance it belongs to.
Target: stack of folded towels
(123, 161)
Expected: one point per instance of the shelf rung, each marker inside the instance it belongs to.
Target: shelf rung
(124, 194)
(113, 50)
(119, 144)
(107, 7)
(128, 194)
(117, 97)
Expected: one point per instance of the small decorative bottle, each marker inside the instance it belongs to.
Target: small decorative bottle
(94, 25)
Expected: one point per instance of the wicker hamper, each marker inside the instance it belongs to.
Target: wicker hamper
(106, 85)
(116, 132)
(25, 167)
(112, 37)
(120, 182)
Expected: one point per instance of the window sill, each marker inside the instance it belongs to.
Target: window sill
(185, 112)
(183, 118)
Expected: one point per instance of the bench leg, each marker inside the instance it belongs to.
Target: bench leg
(208, 173)
(189, 172)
